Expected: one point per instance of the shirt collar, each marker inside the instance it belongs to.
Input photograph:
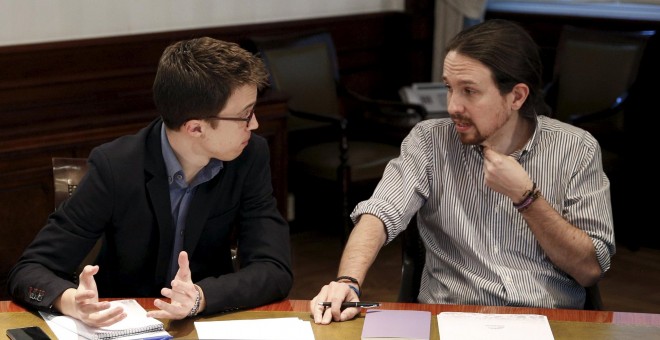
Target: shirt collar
(518, 154)
(173, 166)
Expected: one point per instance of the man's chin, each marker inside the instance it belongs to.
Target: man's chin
(466, 140)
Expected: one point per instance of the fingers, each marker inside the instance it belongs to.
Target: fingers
(87, 293)
(335, 293)
(168, 310)
(179, 308)
(183, 273)
(315, 307)
(349, 314)
(95, 313)
(102, 317)
(86, 278)
(182, 297)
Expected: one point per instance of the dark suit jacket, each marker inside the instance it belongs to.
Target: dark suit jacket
(125, 198)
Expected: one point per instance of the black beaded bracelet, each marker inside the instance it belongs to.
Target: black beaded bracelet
(357, 291)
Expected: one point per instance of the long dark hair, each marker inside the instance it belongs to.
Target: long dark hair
(511, 55)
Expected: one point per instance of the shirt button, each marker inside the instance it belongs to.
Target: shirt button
(496, 250)
(179, 176)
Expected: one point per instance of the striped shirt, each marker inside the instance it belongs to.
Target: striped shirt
(479, 249)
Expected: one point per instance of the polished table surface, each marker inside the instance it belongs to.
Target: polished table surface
(565, 323)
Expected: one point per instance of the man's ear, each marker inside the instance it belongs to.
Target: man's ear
(192, 127)
(520, 92)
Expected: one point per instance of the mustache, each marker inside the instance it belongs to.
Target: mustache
(459, 118)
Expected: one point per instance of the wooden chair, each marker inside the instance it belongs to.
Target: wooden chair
(413, 258)
(67, 174)
(304, 66)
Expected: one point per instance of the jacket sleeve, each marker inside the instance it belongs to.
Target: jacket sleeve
(263, 243)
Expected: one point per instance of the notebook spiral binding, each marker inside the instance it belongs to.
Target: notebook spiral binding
(104, 335)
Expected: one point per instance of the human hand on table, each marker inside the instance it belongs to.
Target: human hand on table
(336, 293)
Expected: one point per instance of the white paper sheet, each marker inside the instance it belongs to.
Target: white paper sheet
(258, 329)
(479, 326)
(67, 328)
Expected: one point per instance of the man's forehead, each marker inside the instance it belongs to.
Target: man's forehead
(464, 70)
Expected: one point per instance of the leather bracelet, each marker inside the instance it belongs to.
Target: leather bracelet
(357, 290)
(526, 197)
(195, 307)
(529, 201)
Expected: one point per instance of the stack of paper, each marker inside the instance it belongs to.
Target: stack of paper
(469, 326)
(258, 329)
(137, 325)
(396, 324)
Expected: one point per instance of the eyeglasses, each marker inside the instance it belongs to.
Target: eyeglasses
(245, 119)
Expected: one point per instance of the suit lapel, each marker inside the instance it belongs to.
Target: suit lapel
(200, 208)
(158, 190)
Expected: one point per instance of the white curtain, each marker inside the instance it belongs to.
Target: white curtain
(449, 18)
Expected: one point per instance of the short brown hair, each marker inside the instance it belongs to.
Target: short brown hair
(196, 77)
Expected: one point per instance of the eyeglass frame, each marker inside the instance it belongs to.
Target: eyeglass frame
(246, 119)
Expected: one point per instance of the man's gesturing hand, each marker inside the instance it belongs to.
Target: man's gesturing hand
(183, 294)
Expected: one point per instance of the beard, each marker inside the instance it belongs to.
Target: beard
(471, 137)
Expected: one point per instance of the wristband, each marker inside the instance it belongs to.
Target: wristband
(525, 202)
(357, 292)
(352, 280)
(522, 207)
(526, 196)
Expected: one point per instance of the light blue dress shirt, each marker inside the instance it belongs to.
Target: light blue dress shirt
(181, 194)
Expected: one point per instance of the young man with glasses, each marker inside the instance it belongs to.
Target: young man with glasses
(168, 201)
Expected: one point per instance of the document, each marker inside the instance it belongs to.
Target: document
(473, 326)
(137, 325)
(383, 324)
(258, 329)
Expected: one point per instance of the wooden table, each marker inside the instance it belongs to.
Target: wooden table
(565, 323)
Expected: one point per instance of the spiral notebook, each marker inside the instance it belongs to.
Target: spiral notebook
(137, 325)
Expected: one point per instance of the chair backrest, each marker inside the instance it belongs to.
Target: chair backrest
(305, 67)
(593, 68)
(412, 265)
(67, 173)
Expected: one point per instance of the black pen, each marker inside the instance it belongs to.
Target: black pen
(357, 304)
